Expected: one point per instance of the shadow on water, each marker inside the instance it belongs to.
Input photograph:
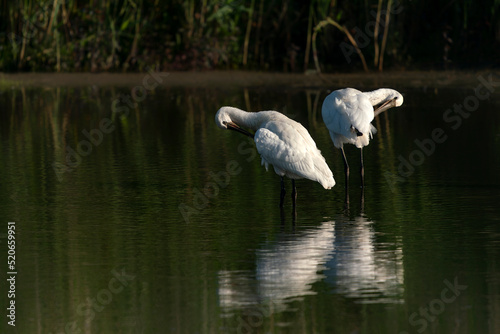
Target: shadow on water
(188, 211)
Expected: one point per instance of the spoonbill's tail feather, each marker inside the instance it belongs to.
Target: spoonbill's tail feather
(294, 159)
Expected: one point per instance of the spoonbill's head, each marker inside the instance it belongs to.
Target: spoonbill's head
(398, 99)
(392, 99)
(225, 119)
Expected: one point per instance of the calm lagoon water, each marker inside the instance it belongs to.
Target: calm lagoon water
(141, 216)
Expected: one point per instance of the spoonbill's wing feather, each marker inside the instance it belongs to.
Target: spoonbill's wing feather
(284, 145)
(336, 117)
(345, 108)
(360, 112)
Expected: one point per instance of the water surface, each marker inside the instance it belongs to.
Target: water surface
(139, 215)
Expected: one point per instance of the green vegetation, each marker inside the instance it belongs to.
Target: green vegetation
(283, 35)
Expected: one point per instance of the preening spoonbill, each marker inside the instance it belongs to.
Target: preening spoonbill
(348, 113)
(281, 142)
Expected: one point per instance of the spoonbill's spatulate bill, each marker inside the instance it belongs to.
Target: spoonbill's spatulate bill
(348, 113)
(281, 142)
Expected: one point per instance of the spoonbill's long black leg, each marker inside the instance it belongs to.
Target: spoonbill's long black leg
(294, 193)
(362, 200)
(346, 166)
(346, 198)
(282, 196)
(362, 169)
(346, 170)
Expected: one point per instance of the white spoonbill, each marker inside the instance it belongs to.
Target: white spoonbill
(348, 113)
(281, 142)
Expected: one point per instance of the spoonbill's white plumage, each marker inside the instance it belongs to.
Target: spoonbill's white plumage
(281, 142)
(348, 113)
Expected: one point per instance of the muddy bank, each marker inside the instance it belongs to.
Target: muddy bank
(228, 79)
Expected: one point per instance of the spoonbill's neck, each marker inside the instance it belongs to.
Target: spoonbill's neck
(250, 120)
(380, 95)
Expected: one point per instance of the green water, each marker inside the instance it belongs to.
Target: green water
(159, 222)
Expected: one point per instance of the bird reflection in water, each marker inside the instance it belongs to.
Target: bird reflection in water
(362, 268)
(284, 270)
(344, 253)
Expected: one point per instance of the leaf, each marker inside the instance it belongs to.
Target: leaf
(339, 15)
(220, 14)
(124, 25)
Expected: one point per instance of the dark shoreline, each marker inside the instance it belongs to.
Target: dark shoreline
(228, 79)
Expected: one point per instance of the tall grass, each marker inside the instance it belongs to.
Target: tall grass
(128, 35)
